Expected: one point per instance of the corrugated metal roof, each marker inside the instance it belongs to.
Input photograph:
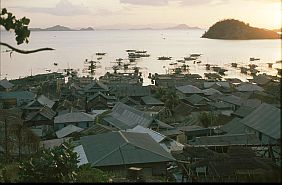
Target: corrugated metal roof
(189, 89)
(6, 84)
(211, 91)
(67, 131)
(224, 84)
(120, 148)
(196, 99)
(45, 111)
(243, 111)
(149, 100)
(265, 119)
(155, 135)
(25, 95)
(234, 127)
(248, 87)
(81, 155)
(43, 100)
(228, 139)
(96, 85)
(125, 117)
(74, 117)
(232, 99)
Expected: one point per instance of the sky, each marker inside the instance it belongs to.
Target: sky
(145, 13)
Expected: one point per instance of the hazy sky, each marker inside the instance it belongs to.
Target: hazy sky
(106, 13)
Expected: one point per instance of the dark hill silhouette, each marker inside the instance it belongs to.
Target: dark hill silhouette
(232, 29)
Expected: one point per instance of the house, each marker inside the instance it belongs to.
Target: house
(243, 111)
(129, 101)
(5, 85)
(249, 87)
(151, 101)
(261, 79)
(197, 101)
(233, 127)
(16, 98)
(238, 164)
(222, 86)
(182, 110)
(95, 87)
(118, 151)
(265, 121)
(133, 91)
(98, 129)
(68, 130)
(193, 131)
(226, 140)
(211, 91)
(234, 100)
(167, 143)
(189, 90)
(126, 117)
(79, 119)
(43, 116)
(49, 144)
(100, 101)
(40, 102)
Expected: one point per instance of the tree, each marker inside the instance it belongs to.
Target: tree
(50, 165)
(171, 100)
(208, 119)
(20, 27)
(88, 174)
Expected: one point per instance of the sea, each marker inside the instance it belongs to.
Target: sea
(72, 48)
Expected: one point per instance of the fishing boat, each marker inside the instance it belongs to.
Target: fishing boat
(143, 51)
(195, 55)
(182, 61)
(101, 54)
(164, 58)
(99, 58)
(119, 59)
(190, 58)
(253, 59)
(130, 50)
(234, 64)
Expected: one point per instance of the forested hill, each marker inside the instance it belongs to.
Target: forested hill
(237, 30)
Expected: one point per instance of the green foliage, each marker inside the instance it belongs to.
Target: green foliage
(50, 165)
(20, 26)
(208, 119)
(87, 174)
(234, 29)
(170, 98)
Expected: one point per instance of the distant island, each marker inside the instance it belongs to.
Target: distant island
(182, 27)
(231, 29)
(61, 28)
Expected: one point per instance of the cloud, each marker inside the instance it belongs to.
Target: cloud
(63, 8)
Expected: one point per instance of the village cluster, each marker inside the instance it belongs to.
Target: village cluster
(182, 128)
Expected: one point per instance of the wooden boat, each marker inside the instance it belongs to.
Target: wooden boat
(101, 54)
(190, 58)
(164, 58)
(234, 64)
(253, 59)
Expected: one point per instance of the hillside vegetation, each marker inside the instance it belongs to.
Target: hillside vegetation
(237, 30)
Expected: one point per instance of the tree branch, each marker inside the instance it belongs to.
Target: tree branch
(24, 51)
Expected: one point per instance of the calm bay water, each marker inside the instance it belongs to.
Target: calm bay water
(72, 48)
